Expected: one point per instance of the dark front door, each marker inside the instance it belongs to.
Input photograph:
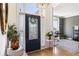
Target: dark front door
(32, 32)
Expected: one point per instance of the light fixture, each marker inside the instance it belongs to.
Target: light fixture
(55, 4)
(43, 5)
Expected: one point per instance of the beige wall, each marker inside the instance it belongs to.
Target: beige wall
(12, 20)
(49, 23)
(49, 17)
(12, 14)
(46, 23)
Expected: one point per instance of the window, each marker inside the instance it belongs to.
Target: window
(31, 8)
(55, 24)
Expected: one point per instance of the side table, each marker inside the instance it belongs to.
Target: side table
(49, 42)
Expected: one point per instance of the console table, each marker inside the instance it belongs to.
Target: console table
(50, 41)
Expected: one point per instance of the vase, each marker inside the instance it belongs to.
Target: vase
(14, 44)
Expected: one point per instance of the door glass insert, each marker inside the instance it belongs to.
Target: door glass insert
(33, 28)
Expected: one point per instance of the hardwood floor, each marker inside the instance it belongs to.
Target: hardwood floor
(44, 52)
(53, 52)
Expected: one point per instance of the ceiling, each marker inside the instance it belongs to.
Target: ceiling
(66, 9)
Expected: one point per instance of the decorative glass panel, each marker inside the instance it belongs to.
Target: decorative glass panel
(31, 8)
(33, 28)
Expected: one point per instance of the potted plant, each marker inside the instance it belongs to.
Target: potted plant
(13, 37)
(49, 35)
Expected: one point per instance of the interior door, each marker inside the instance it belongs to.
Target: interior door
(32, 29)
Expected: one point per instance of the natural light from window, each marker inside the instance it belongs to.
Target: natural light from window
(31, 8)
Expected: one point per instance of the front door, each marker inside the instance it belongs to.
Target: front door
(32, 32)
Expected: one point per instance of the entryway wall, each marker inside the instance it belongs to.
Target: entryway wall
(18, 18)
(46, 23)
(12, 17)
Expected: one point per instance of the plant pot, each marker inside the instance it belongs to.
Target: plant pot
(14, 44)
